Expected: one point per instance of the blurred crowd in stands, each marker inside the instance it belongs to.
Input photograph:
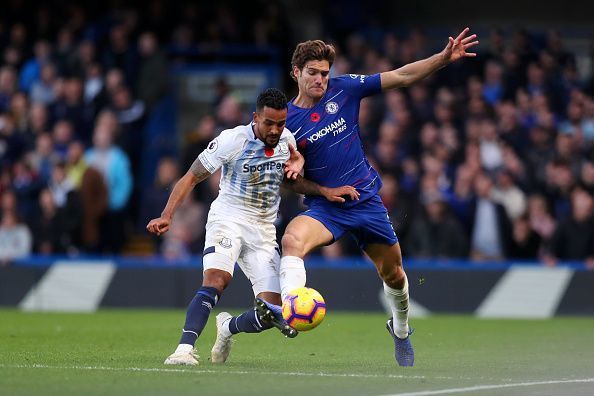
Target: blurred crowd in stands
(77, 85)
(489, 158)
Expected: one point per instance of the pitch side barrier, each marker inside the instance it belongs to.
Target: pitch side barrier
(509, 289)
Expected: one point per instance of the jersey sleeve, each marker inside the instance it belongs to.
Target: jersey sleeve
(358, 85)
(221, 150)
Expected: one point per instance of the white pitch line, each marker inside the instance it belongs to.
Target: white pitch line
(487, 387)
(243, 372)
(207, 371)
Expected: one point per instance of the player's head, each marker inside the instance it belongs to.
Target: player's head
(310, 67)
(270, 116)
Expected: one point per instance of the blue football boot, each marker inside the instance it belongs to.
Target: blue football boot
(403, 350)
(273, 314)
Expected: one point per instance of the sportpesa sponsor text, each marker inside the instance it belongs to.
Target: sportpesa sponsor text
(270, 165)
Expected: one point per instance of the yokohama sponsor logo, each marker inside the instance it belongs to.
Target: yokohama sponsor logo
(336, 127)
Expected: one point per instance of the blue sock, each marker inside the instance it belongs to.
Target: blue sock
(247, 322)
(197, 314)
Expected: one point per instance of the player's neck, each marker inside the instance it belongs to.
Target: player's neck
(305, 101)
(256, 132)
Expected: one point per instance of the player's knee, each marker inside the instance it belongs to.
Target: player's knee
(394, 278)
(292, 245)
(217, 279)
(393, 274)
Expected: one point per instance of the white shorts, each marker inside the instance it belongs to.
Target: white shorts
(252, 246)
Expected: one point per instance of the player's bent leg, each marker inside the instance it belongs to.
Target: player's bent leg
(214, 282)
(269, 311)
(302, 235)
(388, 261)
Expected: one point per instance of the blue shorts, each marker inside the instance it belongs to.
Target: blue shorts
(368, 221)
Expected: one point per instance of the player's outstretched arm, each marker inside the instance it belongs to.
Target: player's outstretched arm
(336, 194)
(182, 188)
(416, 71)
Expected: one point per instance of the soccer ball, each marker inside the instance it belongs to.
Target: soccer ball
(304, 308)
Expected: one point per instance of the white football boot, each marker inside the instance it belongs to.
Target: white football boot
(222, 346)
(184, 355)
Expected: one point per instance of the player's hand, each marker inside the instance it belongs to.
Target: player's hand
(457, 47)
(294, 164)
(339, 194)
(158, 226)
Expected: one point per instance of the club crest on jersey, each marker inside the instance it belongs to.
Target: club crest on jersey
(361, 77)
(225, 242)
(283, 147)
(331, 107)
(212, 146)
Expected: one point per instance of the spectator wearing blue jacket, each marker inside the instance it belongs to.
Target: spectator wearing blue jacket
(114, 165)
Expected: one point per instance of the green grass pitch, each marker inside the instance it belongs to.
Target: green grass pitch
(120, 352)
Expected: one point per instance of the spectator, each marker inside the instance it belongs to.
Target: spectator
(509, 195)
(525, 243)
(37, 123)
(12, 144)
(71, 107)
(114, 165)
(130, 116)
(436, 233)
(15, 238)
(119, 53)
(574, 237)
(50, 234)
(152, 82)
(62, 135)
(8, 86)
(60, 185)
(44, 156)
(229, 113)
(93, 196)
(31, 71)
(490, 225)
(541, 221)
(44, 90)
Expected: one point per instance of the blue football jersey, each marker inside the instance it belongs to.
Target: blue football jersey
(328, 137)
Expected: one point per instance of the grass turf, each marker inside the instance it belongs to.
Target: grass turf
(120, 352)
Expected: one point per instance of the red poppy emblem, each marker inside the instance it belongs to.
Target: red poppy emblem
(315, 117)
(269, 151)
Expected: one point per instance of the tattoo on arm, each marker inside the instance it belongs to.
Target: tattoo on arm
(302, 186)
(199, 171)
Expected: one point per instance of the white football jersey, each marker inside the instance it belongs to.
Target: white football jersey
(251, 176)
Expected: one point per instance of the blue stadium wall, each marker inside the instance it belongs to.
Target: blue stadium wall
(522, 290)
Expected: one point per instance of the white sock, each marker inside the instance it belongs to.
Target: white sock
(398, 301)
(184, 348)
(292, 274)
(225, 332)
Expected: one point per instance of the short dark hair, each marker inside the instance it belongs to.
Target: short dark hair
(273, 98)
(312, 50)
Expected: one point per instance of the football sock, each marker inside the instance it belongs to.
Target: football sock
(197, 314)
(398, 301)
(247, 322)
(292, 274)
